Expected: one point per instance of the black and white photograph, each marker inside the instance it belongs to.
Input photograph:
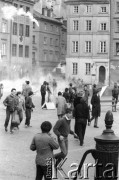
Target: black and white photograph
(59, 89)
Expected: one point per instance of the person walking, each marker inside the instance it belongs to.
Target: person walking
(66, 95)
(44, 144)
(1, 90)
(86, 93)
(49, 92)
(115, 93)
(96, 107)
(61, 105)
(26, 89)
(54, 85)
(43, 92)
(29, 108)
(62, 130)
(81, 117)
(11, 102)
(21, 105)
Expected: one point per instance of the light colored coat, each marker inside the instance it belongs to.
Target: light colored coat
(61, 105)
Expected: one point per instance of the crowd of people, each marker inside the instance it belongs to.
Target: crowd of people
(72, 103)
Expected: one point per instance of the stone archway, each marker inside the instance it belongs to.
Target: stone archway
(102, 74)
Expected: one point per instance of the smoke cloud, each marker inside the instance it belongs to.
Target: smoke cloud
(13, 11)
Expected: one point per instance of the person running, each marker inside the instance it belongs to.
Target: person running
(11, 102)
(29, 108)
(62, 130)
(44, 144)
(21, 105)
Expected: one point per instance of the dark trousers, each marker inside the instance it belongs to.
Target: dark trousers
(42, 99)
(43, 171)
(64, 150)
(8, 115)
(20, 113)
(81, 128)
(28, 116)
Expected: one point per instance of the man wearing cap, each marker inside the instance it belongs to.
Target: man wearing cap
(29, 107)
(62, 130)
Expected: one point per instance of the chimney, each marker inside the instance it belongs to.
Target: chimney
(45, 11)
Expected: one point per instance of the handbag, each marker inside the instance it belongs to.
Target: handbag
(15, 118)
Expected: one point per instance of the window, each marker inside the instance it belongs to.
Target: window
(76, 9)
(75, 25)
(117, 49)
(51, 41)
(15, 5)
(33, 58)
(117, 26)
(51, 27)
(75, 46)
(88, 46)
(27, 31)
(4, 26)
(20, 50)
(57, 29)
(26, 51)
(27, 9)
(14, 28)
(56, 42)
(117, 5)
(88, 25)
(103, 26)
(45, 56)
(33, 39)
(34, 25)
(88, 68)
(21, 6)
(14, 50)
(45, 40)
(88, 8)
(3, 49)
(21, 29)
(103, 9)
(45, 26)
(75, 68)
(103, 46)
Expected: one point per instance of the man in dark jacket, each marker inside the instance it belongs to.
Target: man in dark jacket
(62, 130)
(43, 92)
(11, 102)
(44, 144)
(81, 116)
(29, 107)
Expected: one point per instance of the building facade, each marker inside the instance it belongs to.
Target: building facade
(114, 42)
(49, 42)
(21, 40)
(88, 40)
(5, 28)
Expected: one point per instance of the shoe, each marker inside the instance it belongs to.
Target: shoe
(76, 137)
(11, 131)
(96, 127)
(89, 123)
(26, 126)
(29, 126)
(81, 144)
(6, 129)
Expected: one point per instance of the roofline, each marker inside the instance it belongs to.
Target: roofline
(73, 2)
(37, 15)
(26, 1)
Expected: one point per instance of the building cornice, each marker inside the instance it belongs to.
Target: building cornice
(77, 2)
(26, 1)
(7, 1)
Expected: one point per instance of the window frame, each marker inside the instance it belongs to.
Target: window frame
(75, 25)
(14, 50)
(75, 68)
(88, 25)
(88, 47)
(3, 49)
(20, 55)
(103, 26)
(26, 51)
(75, 9)
(27, 31)
(102, 46)
(75, 46)
(88, 68)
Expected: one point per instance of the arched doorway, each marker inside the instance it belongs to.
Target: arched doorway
(102, 74)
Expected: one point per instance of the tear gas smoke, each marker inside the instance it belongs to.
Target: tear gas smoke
(13, 11)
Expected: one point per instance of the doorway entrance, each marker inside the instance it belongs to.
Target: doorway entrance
(102, 73)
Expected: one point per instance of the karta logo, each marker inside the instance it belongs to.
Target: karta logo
(108, 171)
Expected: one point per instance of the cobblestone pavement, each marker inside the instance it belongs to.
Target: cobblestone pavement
(17, 162)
